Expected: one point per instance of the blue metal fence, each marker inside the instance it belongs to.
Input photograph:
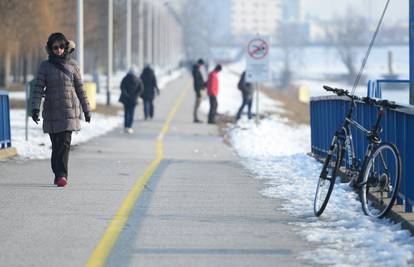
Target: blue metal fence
(375, 86)
(5, 135)
(327, 114)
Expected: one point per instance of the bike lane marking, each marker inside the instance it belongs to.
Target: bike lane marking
(103, 249)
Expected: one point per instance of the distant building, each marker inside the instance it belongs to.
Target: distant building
(219, 10)
(250, 17)
(291, 11)
(292, 28)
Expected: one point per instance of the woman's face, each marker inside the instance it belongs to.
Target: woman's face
(58, 48)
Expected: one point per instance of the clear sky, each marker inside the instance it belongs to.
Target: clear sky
(398, 9)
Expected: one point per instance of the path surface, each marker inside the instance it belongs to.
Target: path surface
(199, 208)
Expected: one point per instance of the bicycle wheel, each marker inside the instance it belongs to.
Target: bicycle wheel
(381, 180)
(327, 177)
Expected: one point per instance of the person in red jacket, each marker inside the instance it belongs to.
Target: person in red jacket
(212, 91)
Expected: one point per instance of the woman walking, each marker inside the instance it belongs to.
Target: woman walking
(150, 89)
(59, 81)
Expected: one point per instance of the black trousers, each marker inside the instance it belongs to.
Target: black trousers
(213, 109)
(129, 112)
(246, 102)
(60, 153)
(197, 103)
(148, 108)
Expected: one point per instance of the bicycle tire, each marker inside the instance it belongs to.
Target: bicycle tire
(326, 183)
(381, 176)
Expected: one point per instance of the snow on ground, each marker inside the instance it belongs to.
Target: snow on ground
(275, 152)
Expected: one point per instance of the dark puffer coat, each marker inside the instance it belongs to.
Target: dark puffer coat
(62, 93)
(131, 89)
(150, 83)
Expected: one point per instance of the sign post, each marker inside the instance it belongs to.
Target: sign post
(257, 64)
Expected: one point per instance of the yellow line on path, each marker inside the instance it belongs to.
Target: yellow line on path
(104, 247)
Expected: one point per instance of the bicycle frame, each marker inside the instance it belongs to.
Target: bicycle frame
(346, 135)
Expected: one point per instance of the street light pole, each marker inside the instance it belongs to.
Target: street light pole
(128, 33)
(110, 43)
(141, 36)
(79, 35)
(153, 32)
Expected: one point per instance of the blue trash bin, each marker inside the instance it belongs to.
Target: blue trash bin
(5, 133)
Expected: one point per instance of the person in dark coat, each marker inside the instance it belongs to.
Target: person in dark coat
(150, 89)
(131, 89)
(199, 85)
(59, 81)
(246, 89)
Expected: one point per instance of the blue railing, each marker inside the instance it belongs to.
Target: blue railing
(5, 135)
(375, 86)
(327, 114)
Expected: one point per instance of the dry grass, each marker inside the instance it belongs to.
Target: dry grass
(296, 111)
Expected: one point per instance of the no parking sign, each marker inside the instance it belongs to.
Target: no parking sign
(257, 59)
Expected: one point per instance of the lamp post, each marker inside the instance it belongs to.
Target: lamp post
(128, 33)
(79, 35)
(141, 21)
(110, 43)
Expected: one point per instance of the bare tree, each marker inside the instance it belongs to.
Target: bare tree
(198, 26)
(25, 27)
(346, 34)
(290, 41)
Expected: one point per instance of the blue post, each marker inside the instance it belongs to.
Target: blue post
(411, 34)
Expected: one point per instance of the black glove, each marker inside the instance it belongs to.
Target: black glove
(35, 115)
(88, 117)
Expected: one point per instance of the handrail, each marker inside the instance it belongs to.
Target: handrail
(375, 88)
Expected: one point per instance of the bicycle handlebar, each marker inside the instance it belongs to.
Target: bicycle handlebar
(336, 90)
(369, 101)
(340, 92)
(378, 102)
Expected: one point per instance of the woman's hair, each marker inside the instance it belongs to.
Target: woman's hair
(56, 37)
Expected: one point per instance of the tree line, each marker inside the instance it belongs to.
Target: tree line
(26, 25)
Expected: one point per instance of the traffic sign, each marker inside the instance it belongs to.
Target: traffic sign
(257, 59)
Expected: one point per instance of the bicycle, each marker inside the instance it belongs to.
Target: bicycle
(377, 180)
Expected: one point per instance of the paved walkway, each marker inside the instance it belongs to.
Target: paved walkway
(199, 208)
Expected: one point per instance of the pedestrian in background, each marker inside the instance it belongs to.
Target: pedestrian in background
(246, 90)
(150, 89)
(59, 81)
(212, 91)
(131, 89)
(199, 85)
